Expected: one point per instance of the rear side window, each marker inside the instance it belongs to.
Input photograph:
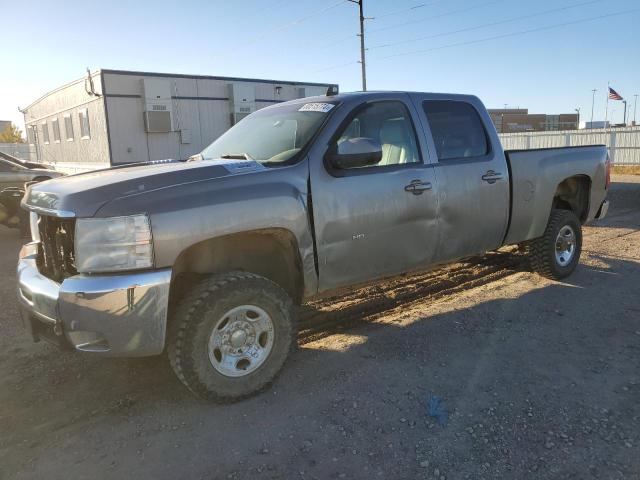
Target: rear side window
(456, 128)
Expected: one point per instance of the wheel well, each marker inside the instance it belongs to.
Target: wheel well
(272, 253)
(573, 194)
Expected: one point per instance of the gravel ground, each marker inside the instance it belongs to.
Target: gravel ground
(536, 379)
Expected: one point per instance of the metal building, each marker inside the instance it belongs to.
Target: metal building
(112, 117)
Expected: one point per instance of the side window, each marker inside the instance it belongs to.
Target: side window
(456, 128)
(389, 123)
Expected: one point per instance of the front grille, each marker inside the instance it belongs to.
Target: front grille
(56, 258)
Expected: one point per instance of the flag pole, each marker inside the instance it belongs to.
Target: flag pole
(606, 110)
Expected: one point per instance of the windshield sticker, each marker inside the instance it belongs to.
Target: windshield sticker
(240, 166)
(316, 107)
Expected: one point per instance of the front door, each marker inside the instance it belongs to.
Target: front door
(375, 221)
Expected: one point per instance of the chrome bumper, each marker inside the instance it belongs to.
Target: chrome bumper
(115, 315)
(604, 208)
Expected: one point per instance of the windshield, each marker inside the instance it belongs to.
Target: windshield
(271, 136)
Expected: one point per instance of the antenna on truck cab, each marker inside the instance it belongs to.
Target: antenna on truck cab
(332, 90)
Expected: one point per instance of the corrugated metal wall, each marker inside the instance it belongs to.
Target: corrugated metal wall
(200, 105)
(80, 153)
(623, 143)
(118, 135)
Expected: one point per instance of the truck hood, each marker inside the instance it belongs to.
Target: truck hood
(83, 194)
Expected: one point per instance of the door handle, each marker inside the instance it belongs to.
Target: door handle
(491, 177)
(417, 187)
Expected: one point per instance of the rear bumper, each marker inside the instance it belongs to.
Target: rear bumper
(114, 315)
(602, 211)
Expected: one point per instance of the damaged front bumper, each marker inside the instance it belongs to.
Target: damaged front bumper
(121, 315)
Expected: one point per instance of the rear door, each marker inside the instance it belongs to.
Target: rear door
(472, 175)
(376, 221)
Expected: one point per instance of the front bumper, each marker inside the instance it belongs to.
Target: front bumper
(116, 315)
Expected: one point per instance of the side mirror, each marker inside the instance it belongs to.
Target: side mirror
(356, 152)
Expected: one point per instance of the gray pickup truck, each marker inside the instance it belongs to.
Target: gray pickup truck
(207, 258)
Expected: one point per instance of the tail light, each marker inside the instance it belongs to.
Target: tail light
(608, 173)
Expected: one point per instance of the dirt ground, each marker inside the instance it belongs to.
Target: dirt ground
(539, 379)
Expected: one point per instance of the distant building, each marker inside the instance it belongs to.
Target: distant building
(113, 117)
(596, 124)
(520, 120)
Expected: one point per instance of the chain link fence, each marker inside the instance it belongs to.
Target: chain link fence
(22, 151)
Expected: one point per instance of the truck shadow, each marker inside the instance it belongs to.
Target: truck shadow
(53, 380)
(571, 340)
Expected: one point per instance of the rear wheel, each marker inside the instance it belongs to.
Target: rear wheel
(229, 338)
(556, 254)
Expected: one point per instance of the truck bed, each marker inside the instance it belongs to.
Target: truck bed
(535, 177)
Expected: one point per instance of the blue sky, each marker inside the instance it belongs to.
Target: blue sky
(547, 71)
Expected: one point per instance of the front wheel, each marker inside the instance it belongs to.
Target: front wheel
(229, 337)
(556, 254)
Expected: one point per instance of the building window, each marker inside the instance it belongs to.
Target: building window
(68, 127)
(85, 130)
(30, 135)
(45, 133)
(55, 124)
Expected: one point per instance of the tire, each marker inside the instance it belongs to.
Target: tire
(208, 327)
(552, 259)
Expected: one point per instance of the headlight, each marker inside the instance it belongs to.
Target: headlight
(113, 244)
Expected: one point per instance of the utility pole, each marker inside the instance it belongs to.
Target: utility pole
(635, 107)
(362, 62)
(625, 113)
(593, 102)
(578, 118)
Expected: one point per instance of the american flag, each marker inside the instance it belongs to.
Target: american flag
(613, 95)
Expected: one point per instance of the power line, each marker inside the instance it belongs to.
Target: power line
(485, 25)
(513, 34)
(272, 6)
(293, 23)
(495, 37)
(445, 14)
(342, 39)
(404, 10)
(335, 67)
